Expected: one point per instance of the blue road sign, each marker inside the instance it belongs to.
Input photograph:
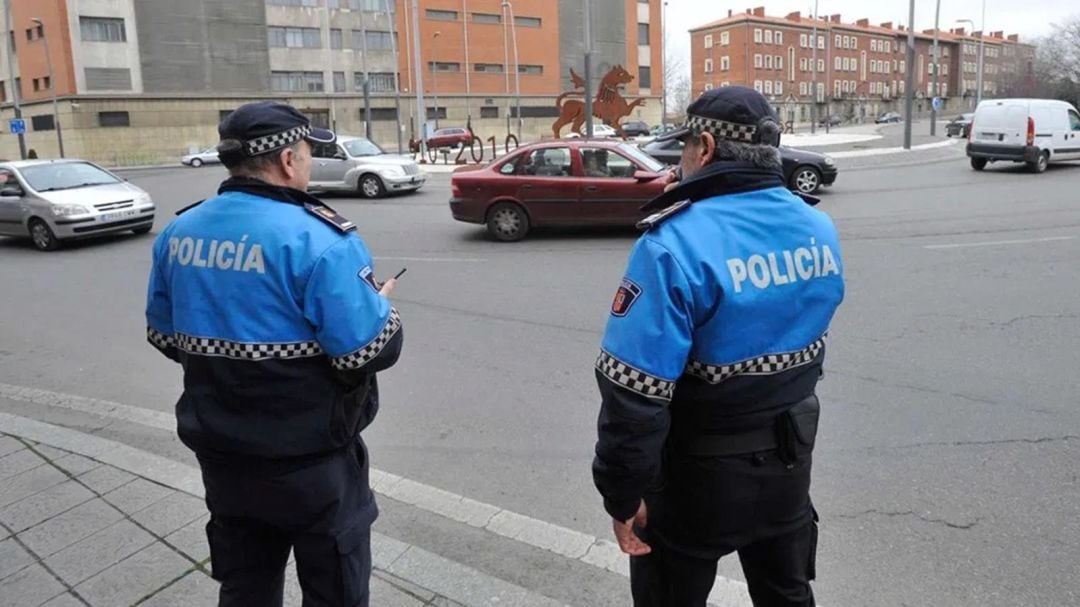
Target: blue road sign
(937, 103)
(17, 126)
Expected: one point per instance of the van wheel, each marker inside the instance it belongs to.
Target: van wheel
(507, 222)
(1039, 166)
(978, 163)
(42, 236)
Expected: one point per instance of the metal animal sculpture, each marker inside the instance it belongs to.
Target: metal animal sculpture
(609, 106)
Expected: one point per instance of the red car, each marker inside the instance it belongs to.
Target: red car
(564, 183)
(450, 138)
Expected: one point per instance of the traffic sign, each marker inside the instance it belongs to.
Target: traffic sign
(17, 126)
(937, 103)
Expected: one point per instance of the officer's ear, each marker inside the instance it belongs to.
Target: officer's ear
(705, 149)
(290, 158)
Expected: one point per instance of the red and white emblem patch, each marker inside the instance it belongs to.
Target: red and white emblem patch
(628, 293)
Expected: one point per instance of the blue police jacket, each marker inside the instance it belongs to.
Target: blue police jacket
(718, 325)
(268, 299)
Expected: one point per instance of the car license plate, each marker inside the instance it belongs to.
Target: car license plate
(107, 217)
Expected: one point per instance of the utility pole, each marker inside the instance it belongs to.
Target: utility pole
(982, 39)
(517, 66)
(588, 70)
(392, 19)
(435, 76)
(52, 87)
(421, 112)
(909, 93)
(937, 72)
(468, 81)
(506, 65)
(367, 81)
(15, 92)
(663, 65)
(813, 75)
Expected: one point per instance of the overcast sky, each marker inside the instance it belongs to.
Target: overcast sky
(1029, 18)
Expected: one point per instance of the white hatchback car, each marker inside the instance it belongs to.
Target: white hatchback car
(51, 201)
(355, 164)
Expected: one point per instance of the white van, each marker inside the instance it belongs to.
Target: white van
(1034, 131)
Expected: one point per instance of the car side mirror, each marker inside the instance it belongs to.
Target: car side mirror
(643, 176)
(340, 156)
(11, 192)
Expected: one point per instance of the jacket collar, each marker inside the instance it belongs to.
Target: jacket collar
(718, 179)
(258, 187)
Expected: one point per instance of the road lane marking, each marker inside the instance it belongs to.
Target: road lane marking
(553, 538)
(994, 243)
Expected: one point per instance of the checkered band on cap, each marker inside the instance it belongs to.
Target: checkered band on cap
(269, 143)
(721, 129)
(770, 364)
(359, 358)
(159, 339)
(207, 346)
(633, 379)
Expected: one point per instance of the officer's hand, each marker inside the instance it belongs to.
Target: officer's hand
(629, 542)
(388, 287)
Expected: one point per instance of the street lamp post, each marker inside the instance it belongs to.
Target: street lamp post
(421, 115)
(937, 71)
(517, 66)
(663, 65)
(392, 18)
(15, 92)
(506, 66)
(588, 70)
(813, 74)
(979, 63)
(52, 87)
(909, 88)
(435, 77)
(367, 83)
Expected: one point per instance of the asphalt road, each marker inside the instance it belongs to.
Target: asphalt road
(947, 458)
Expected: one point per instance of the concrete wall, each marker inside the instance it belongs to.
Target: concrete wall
(199, 46)
(609, 26)
(105, 54)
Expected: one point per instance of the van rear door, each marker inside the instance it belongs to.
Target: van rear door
(999, 123)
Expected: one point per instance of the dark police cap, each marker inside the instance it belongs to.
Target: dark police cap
(268, 126)
(735, 113)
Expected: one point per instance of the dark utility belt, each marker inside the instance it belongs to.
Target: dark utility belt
(792, 433)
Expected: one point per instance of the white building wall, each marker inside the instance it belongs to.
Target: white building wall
(105, 54)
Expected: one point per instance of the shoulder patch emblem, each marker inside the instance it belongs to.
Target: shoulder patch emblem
(368, 275)
(330, 216)
(656, 219)
(628, 293)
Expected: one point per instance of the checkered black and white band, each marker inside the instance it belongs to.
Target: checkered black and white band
(159, 339)
(762, 365)
(361, 357)
(206, 346)
(633, 379)
(721, 129)
(269, 143)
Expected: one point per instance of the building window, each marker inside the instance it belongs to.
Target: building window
(708, 66)
(820, 65)
(43, 123)
(757, 36)
(708, 87)
(339, 82)
(757, 86)
(436, 15)
(117, 119)
(102, 29)
(333, 4)
(802, 40)
(644, 76)
(779, 63)
(527, 22)
(768, 37)
(888, 46)
(778, 88)
(297, 82)
(37, 85)
(293, 2)
(377, 41)
(802, 64)
(486, 18)
(838, 63)
(708, 39)
(768, 62)
(643, 33)
(725, 38)
(768, 87)
(489, 112)
(821, 42)
(382, 114)
(443, 66)
(779, 37)
(757, 61)
(336, 41)
(371, 6)
(295, 37)
(488, 68)
(802, 89)
(725, 63)
(838, 43)
(382, 82)
(107, 79)
(531, 69)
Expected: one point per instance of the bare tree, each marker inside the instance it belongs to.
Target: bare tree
(1056, 69)
(676, 84)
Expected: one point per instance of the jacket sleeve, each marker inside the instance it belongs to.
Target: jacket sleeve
(645, 348)
(159, 321)
(356, 326)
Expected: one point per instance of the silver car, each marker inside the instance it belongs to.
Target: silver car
(207, 156)
(55, 200)
(355, 164)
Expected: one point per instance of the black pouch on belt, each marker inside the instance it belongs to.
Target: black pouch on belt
(796, 429)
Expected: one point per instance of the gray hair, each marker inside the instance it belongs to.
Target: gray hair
(249, 166)
(758, 154)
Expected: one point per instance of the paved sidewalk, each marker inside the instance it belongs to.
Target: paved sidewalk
(76, 531)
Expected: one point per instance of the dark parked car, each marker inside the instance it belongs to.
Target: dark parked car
(959, 126)
(635, 128)
(450, 138)
(564, 182)
(831, 120)
(804, 171)
(888, 117)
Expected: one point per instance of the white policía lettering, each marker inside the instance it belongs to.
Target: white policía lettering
(778, 268)
(226, 255)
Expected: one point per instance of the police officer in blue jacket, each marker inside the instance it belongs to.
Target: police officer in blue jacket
(268, 300)
(709, 364)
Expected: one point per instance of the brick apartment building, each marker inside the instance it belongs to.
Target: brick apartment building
(142, 81)
(859, 69)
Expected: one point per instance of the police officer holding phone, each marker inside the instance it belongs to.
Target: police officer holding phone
(708, 368)
(268, 299)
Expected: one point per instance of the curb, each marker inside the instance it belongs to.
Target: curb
(894, 150)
